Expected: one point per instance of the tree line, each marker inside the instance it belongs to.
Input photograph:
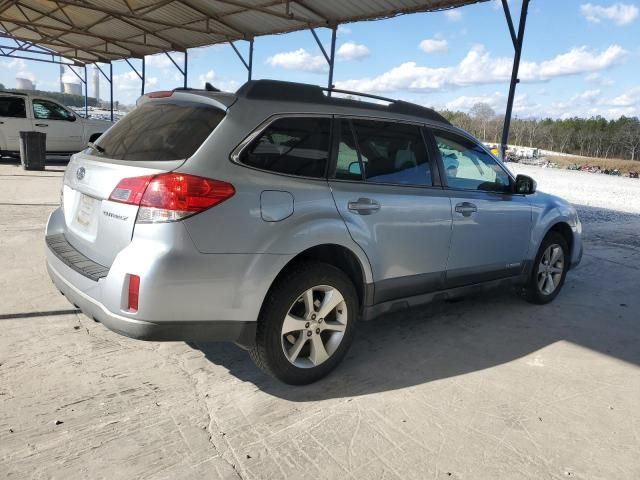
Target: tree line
(590, 137)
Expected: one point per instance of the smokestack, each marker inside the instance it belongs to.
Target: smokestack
(96, 83)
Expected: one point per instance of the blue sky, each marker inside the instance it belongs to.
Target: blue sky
(579, 58)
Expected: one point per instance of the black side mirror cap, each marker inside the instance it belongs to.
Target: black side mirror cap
(525, 185)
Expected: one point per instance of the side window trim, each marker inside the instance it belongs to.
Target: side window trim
(442, 171)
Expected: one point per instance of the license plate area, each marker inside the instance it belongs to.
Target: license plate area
(85, 221)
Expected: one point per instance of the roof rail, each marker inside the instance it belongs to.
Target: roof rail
(303, 92)
(359, 94)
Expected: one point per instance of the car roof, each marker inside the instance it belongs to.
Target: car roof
(302, 93)
(7, 92)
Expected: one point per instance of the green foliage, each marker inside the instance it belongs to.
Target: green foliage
(591, 137)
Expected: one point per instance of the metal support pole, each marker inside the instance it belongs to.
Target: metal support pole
(86, 93)
(514, 73)
(184, 73)
(111, 88)
(332, 57)
(142, 77)
(250, 69)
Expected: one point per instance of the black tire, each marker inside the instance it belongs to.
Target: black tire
(532, 292)
(268, 353)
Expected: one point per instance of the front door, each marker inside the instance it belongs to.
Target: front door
(63, 129)
(384, 189)
(491, 225)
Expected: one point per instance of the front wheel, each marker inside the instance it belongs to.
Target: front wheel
(307, 324)
(549, 270)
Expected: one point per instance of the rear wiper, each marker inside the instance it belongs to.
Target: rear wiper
(96, 147)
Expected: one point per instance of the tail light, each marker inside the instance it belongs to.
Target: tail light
(134, 293)
(169, 197)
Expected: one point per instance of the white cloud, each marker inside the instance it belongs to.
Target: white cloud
(213, 79)
(618, 13)
(628, 99)
(162, 61)
(598, 79)
(352, 51)
(298, 60)
(433, 45)
(344, 30)
(26, 74)
(453, 15)
(464, 102)
(130, 82)
(479, 67)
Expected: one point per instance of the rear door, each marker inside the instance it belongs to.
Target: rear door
(491, 225)
(13, 120)
(63, 129)
(386, 189)
(156, 137)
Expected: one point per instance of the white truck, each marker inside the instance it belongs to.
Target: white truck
(66, 132)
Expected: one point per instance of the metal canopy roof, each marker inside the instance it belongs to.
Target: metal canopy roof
(91, 31)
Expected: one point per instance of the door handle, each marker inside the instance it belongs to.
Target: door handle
(363, 206)
(466, 209)
(42, 124)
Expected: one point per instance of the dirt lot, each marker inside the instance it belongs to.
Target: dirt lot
(489, 387)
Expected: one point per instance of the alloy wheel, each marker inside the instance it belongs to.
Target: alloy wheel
(314, 326)
(550, 269)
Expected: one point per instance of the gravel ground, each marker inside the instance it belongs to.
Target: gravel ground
(486, 388)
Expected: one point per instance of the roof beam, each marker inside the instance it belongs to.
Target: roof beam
(130, 18)
(264, 9)
(78, 31)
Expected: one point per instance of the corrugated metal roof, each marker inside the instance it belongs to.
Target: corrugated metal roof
(103, 30)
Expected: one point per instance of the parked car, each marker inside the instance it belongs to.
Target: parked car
(277, 217)
(67, 133)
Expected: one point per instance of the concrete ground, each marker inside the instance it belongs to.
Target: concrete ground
(489, 387)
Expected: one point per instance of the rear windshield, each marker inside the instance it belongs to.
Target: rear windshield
(159, 131)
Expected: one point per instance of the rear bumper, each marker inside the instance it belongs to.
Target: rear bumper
(184, 294)
(231, 331)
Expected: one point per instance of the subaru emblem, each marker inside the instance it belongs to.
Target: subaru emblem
(80, 173)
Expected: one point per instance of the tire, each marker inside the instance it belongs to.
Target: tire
(289, 299)
(538, 289)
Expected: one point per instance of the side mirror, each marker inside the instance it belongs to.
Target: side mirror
(354, 168)
(525, 185)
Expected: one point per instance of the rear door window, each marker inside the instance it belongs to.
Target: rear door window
(294, 146)
(157, 131)
(12, 107)
(390, 152)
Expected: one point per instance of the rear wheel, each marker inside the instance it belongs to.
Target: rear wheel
(306, 325)
(549, 270)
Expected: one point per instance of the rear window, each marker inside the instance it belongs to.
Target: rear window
(159, 131)
(12, 107)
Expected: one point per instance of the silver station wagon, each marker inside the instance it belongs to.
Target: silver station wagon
(278, 216)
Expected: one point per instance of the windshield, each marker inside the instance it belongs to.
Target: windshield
(159, 131)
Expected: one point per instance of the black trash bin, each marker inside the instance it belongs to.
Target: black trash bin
(33, 152)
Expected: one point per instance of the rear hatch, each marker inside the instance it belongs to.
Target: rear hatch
(156, 137)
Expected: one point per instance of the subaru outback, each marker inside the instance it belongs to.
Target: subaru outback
(278, 216)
